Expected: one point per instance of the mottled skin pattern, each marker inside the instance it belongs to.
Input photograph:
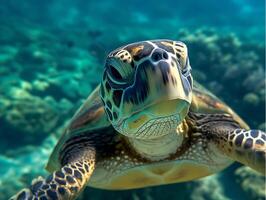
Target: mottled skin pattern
(147, 124)
(244, 146)
(65, 183)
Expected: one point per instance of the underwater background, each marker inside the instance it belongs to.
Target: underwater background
(52, 56)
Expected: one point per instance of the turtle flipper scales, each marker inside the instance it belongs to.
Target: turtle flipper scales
(245, 146)
(64, 184)
(248, 147)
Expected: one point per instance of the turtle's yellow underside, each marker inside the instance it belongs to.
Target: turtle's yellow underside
(155, 174)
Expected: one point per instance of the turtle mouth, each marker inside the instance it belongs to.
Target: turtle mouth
(158, 127)
(153, 128)
(154, 120)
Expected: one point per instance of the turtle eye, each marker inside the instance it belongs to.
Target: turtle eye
(120, 73)
(186, 70)
(115, 73)
(119, 68)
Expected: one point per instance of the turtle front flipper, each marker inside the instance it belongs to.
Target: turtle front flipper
(65, 183)
(248, 147)
(245, 146)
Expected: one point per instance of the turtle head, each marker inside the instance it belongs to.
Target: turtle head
(147, 88)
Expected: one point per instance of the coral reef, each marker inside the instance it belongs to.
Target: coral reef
(208, 188)
(38, 88)
(252, 183)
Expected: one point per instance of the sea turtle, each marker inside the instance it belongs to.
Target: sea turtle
(147, 124)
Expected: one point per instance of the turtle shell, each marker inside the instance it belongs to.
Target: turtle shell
(205, 102)
(91, 116)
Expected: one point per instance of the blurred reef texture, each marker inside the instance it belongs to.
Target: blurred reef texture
(52, 57)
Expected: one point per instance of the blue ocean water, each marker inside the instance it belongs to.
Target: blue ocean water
(52, 55)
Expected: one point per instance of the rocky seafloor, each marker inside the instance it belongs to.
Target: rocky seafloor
(46, 74)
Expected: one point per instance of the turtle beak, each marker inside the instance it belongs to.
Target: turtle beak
(159, 81)
(167, 82)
